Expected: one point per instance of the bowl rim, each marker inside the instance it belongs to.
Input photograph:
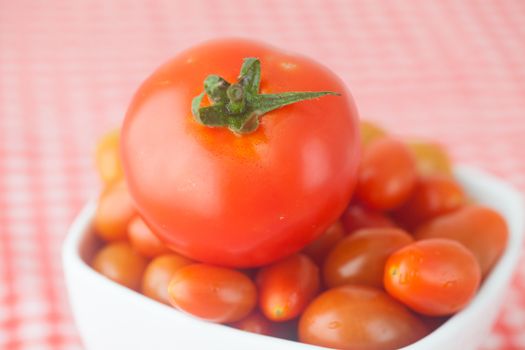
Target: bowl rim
(499, 276)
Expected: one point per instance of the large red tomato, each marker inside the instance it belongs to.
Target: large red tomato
(234, 191)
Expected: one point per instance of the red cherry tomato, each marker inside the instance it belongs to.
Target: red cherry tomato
(433, 196)
(115, 210)
(433, 323)
(255, 323)
(321, 246)
(360, 258)
(357, 217)
(212, 293)
(143, 240)
(435, 277)
(159, 273)
(482, 230)
(287, 286)
(240, 200)
(387, 174)
(357, 317)
(120, 263)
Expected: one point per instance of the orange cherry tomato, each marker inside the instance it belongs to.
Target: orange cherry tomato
(107, 158)
(321, 246)
(431, 158)
(482, 230)
(435, 277)
(255, 323)
(115, 210)
(434, 195)
(360, 258)
(159, 273)
(357, 217)
(287, 286)
(144, 240)
(120, 263)
(370, 132)
(240, 199)
(387, 174)
(212, 293)
(359, 317)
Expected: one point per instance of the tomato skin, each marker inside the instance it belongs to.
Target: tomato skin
(482, 230)
(387, 174)
(287, 286)
(321, 246)
(357, 217)
(435, 277)
(115, 210)
(240, 201)
(358, 317)
(360, 258)
(159, 273)
(120, 263)
(434, 195)
(212, 293)
(143, 240)
(107, 158)
(255, 323)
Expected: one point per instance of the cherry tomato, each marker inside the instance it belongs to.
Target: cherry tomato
(107, 158)
(433, 196)
(357, 217)
(360, 258)
(144, 240)
(433, 323)
(159, 273)
(370, 132)
(119, 262)
(387, 174)
(435, 277)
(358, 317)
(241, 200)
(287, 286)
(286, 330)
(482, 230)
(115, 210)
(431, 158)
(255, 323)
(321, 246)
(212, 293)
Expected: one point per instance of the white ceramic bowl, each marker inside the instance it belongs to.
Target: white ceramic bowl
(111, 317)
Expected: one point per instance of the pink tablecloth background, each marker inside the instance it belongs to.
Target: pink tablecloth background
(450, 70)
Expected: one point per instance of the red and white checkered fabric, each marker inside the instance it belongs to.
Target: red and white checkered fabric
(450, 70)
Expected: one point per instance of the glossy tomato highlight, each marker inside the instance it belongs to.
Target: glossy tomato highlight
(253, 195)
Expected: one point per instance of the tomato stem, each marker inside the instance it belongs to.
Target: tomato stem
(238, 106)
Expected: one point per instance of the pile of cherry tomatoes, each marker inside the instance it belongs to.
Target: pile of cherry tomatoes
(410, 250)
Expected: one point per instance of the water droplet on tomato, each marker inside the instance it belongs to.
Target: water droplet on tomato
(449, 284)
(334, 325)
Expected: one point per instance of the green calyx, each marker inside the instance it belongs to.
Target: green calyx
(238, 106)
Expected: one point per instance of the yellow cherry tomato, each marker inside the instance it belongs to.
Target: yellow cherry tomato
(370, 132)
(121, 263)
(107, 158)
(431, 158)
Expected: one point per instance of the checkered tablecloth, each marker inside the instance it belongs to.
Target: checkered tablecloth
(450, 70)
